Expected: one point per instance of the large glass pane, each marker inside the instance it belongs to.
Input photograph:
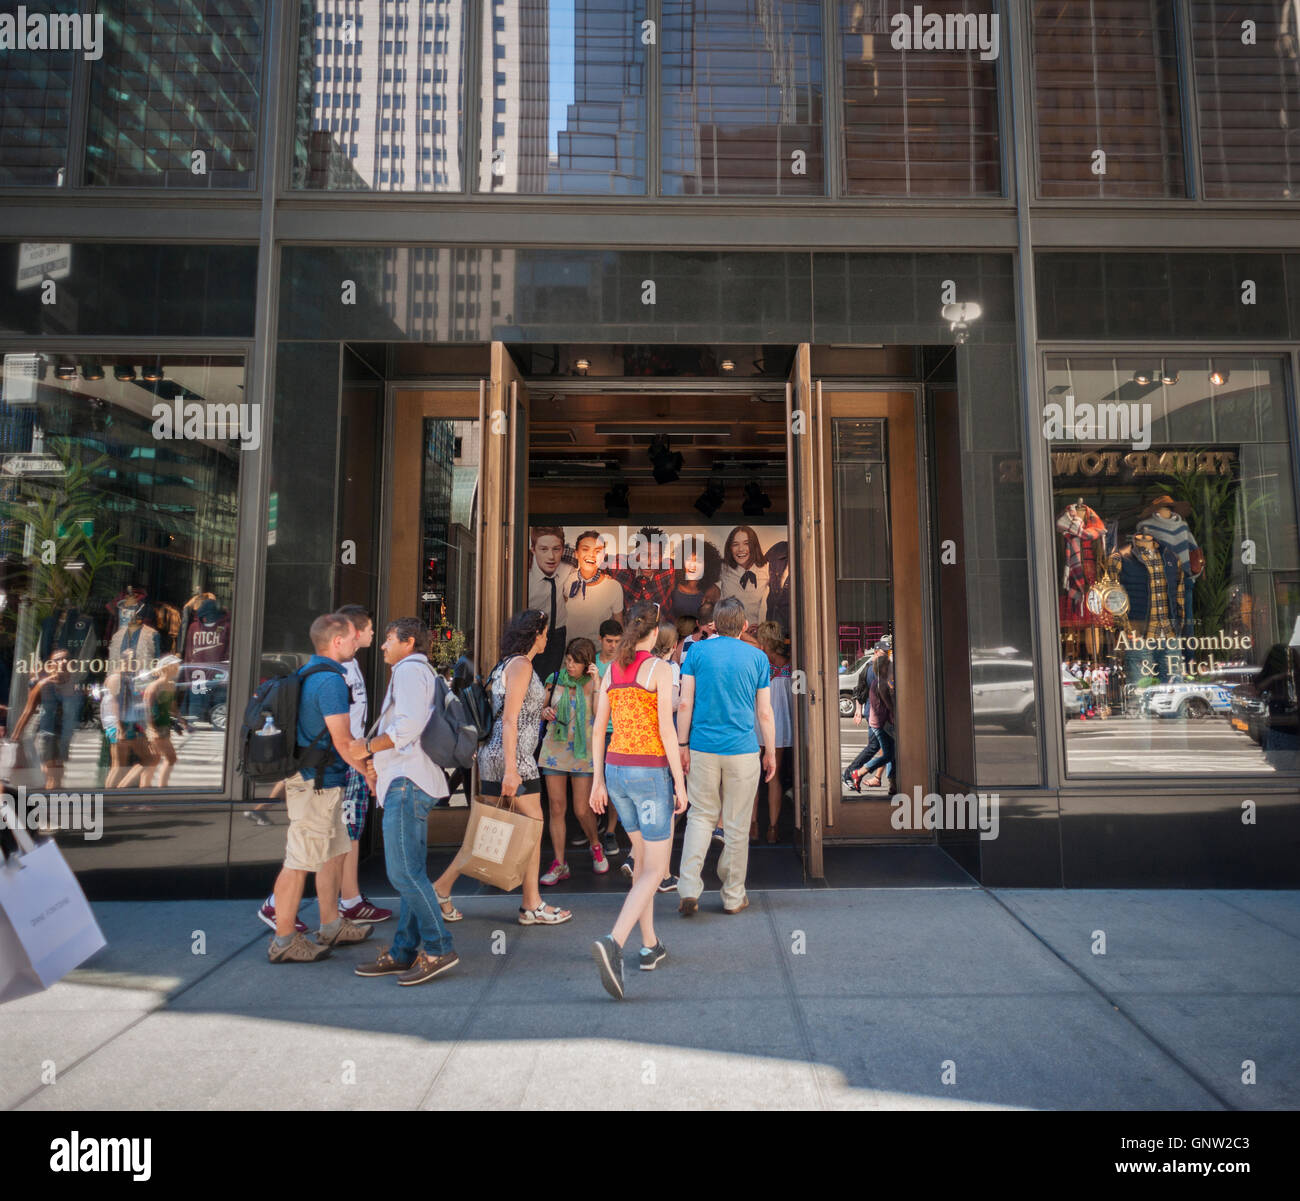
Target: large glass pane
(379, 96)
(174, 102)
(920, 122)
(1248, 95)
(562, 99)
(1178, 561)
(742, 98)
(1106, 98)
(35, 104)
(118, 487)
(864, 601)
(448, 521)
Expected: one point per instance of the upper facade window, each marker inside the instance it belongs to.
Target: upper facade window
(176, 98)
(35, 109)
(1106, 99)
(1247, 60)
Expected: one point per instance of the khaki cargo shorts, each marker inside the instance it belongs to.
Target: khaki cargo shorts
(317, 829)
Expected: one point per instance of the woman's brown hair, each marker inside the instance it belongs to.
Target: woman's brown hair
(666, 643)
(581, 650)
(643, 618)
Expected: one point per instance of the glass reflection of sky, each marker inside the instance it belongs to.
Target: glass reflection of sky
(563, 49)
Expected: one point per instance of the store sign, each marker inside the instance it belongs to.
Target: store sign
(39, 261)
(22, 375)
(30, 465)
(1118, 464)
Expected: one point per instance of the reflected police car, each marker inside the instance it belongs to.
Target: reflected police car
(1185, 698)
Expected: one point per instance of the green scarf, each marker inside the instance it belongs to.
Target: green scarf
(563, 714)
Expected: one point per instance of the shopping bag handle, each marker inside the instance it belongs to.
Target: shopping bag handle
(9, 820)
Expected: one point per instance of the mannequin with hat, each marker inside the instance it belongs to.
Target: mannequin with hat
(1165, 520)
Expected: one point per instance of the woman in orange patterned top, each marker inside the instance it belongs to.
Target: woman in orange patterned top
(641, 773)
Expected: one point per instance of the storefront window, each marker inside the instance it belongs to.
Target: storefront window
(35, 106)
(118, 483)
(562, 98)
(379, 97)
(174, 102)
(1178, 563)
(448, 533)
(1106, 98)
(742, 98)
(920, 122)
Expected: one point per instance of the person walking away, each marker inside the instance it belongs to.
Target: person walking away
(318, 836)
(611, 633)
(567, 756)
(882, 721)
(407, 784)
(53, 689)
(664, 648)
(641, 774)
(726, 704)
(852, 774)
(160, 710)
(505, 763)
(356, 791)
(771, 641)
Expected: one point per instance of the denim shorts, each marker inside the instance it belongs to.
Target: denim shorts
(555, 771)
(643, 799)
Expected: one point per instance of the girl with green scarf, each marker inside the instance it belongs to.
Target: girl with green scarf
(565, 755)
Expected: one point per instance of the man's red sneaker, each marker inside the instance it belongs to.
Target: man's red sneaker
(365, 913)
(267, 914)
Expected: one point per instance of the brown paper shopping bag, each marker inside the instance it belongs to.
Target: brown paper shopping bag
(499, 842)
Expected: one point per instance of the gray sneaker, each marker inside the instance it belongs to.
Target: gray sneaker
(301, 950)
(652, 957)
(349, 932)
(609, 959)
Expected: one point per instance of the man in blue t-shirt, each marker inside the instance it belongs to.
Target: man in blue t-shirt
(725, 704)
(318, 838)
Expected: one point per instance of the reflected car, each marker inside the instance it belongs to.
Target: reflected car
(1263, 712)
(1186, 699)
(849, 677)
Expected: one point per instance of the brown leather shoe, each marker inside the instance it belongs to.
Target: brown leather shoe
(688, 906)
(384, 965)
(743, 905)
(427, 966)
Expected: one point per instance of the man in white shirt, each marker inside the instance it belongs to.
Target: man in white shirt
(592, 596)
(407, 784)
(354, 905)
(547, 578)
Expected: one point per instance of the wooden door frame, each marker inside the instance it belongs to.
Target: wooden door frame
(899, 405)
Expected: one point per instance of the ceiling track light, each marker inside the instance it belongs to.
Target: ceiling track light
(1219, 375)
(1142, 377)
(617, 501)
(710, 500)
(153, 373)
(65, 371)
(124, 373)
(666, 462)
(92, 372)
(756, 500)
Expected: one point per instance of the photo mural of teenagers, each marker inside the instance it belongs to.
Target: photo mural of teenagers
(116, 570)
(1178, 575)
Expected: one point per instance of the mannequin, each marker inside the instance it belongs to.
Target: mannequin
(207, 655)
(1164, 520)
(188, 611)
(1085, 547)
(133, 637)
(1150, 574)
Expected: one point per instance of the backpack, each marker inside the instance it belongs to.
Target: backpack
(270, 754)
(456, 724)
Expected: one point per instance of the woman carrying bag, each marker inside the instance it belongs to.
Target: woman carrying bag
(506, 764)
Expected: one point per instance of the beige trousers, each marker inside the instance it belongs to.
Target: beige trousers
(719, 787)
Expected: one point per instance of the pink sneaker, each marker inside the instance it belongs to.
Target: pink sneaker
(599, 863)
(366, 914)
(558, 871)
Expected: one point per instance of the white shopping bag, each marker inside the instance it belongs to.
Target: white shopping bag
(46, 925)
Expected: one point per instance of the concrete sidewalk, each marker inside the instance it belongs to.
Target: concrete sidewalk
(826, 998)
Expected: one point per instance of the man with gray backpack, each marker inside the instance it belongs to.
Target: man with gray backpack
(408, 783)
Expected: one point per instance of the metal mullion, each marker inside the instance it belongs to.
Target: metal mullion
(475, 12)
(653, 82)
(1184, 48)
(78, 123)
(833, 169)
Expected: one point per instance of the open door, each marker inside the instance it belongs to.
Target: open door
(505, 504)
(807, 607)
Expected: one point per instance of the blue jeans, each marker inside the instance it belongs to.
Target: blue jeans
(406, 847)
(886, 753)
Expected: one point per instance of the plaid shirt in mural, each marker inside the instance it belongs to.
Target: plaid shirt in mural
(655, 586)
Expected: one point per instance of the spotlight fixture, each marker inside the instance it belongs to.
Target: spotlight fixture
(616, 501)
(65, 371)
(959, 315)
(1142, 376)
(756, 500)
(710, 500)
(1219, 376)
(152, 373)
(667, 463)
(92, 372)
(1167, 377)
(582, 366)
(124, 372)
(728, 365)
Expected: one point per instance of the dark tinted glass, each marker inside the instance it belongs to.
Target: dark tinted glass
(1248, 96)
(174, 102)
(742, 98)
(129, 289)
(35, 102)
(920, 122)
(1106, 79)
(562, 99)
(380, 90)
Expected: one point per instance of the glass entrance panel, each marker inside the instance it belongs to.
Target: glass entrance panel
(448, 556)
(864, 592)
